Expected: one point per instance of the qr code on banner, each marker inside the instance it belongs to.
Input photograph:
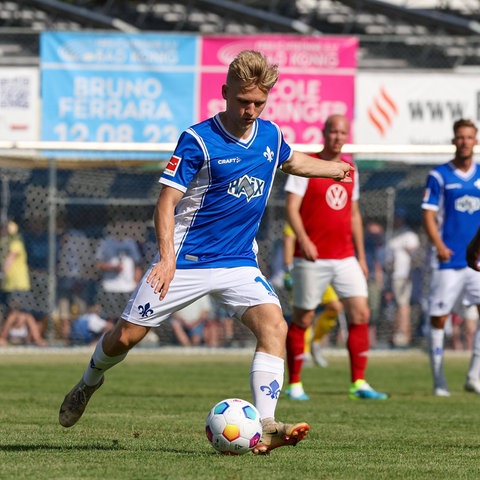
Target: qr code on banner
(14, 92)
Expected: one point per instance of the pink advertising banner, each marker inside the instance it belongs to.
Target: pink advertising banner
(317, 79)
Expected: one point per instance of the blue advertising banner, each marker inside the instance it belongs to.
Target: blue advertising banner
(109, 87)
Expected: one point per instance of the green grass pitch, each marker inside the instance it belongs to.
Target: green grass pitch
(147, 421)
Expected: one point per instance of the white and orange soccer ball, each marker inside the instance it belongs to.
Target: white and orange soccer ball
(233, 426)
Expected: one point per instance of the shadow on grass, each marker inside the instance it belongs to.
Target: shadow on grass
(114, 446)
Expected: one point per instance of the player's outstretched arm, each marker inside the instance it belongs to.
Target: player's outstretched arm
(304, 165)
(473, 252)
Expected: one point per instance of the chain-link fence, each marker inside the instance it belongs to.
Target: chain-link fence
(65, 215)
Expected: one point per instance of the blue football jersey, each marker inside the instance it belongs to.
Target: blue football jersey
(226, 184)
(455, 195)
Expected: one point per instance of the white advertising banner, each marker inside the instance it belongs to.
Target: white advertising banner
(19, 104)
(413, 108)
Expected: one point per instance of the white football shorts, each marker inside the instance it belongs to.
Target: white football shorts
(449, 285)
(236, 289)
(310, 279)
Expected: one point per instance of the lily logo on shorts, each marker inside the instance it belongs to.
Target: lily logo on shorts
(272, 390)
(145, 310)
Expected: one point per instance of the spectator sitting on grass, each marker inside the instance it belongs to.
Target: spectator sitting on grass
(87, 328)
(20, 328)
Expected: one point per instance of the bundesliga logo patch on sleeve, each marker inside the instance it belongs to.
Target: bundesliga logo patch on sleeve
(172, 166)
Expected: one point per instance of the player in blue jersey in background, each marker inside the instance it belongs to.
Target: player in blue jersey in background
(214, 193)
(451, 215)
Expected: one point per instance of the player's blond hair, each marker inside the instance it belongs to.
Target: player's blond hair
(253, 70)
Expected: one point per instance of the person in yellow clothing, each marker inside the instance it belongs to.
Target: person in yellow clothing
(329, 309)
(15, 275)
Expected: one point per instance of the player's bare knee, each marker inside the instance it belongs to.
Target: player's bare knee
(303, 318)
(279, 327)
(360, 318)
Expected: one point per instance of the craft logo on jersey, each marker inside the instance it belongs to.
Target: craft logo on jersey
(336, 196)
(172, 166)
(249, 186)
(467, 204)
(229, 160)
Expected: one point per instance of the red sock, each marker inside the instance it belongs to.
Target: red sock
(295, 349)
(357, 346)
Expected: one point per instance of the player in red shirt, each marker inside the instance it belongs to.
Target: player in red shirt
(326, 218)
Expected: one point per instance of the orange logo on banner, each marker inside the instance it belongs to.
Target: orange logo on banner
(382, 112)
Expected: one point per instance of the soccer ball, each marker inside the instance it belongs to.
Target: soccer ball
(233, 426)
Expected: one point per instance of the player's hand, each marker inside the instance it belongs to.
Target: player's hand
(161, 275)
(309, 250)
(444, 253)
(364, 266)
(344, 172)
